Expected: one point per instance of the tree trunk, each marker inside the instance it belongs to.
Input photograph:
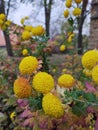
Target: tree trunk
(81, 22)
(6, 36)
(47, 16)
(8, 44)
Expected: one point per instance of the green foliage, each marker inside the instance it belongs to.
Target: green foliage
(80, 100)
(36, 102)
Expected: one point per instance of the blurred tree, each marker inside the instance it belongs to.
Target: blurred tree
(6, 35)
(84, 14)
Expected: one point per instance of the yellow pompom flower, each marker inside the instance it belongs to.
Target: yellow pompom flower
(28, 28)
(87, 72)
(89, 59)
(25, 52)
(62, 48)
(66, 80)
(66, 13)
(26, 35)
(2, 16)
(95, 74)
(52, 106)
(21, 88)
(68, 3)
(38, 31)
(76, 11)
(78, 1)
(28, 65)
(43, 82)
(8, 23)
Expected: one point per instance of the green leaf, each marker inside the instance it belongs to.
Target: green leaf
(36, 102)
(90, 97)
(71, 21)
(79, 108)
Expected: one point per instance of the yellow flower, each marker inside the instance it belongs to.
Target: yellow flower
(66, 13)
(21, 88)
(54, 70)
(43, 82)
(52, 106)
(25, 52)
(71, 36)
(69, 39)
(7, 23)
(1, 22)
(68, 3)
(62, 48)
(28, 28)
(95, 74)
(37, 31)
(26, 35)
(78, 1)
(76, 11)
(12, 115)
(87, 72)
(89, 59)
(66, 80)
(64, 70)
(3, 27)
(23, 20)
(28, 65)
(2, 16)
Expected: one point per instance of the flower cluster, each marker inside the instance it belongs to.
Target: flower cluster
(30, 31)
(3, 22)
(76, 10)
(89, 62)
(43, 83)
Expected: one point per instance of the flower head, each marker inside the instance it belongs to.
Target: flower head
(66, 80)
(37, 31)
(90, 59)
(7, 23)
(2, 16)
(87, 72)
(28, 65)
(62, 48)
(43, 82)
(12, 115)
(25, 52)
(52, 105)
(26, 35)
(66, 13)
(28, 28)
(76, 11)
(21, 88)
(68, 3)
(95, 74)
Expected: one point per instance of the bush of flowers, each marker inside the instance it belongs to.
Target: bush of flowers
(37, 97)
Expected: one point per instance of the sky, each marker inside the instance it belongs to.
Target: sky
(37, 15)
